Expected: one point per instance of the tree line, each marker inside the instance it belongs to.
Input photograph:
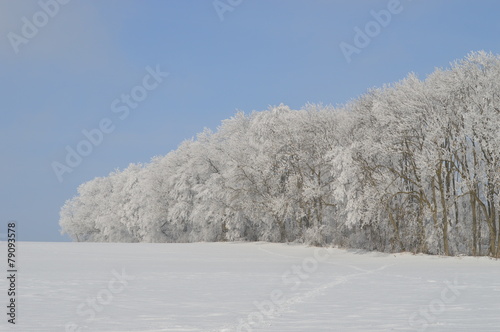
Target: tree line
(413, 166)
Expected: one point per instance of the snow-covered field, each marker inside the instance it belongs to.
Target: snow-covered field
(247, 287)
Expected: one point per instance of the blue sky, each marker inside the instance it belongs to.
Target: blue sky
(64, 79)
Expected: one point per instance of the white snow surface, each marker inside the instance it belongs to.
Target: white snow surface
(247, 287)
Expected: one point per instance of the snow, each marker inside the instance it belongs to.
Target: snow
(232, 286)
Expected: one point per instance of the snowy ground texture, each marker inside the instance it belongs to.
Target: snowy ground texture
(248, 287)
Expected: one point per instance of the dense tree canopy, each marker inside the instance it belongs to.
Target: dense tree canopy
(414, 166)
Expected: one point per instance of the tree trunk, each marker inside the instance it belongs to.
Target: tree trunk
(445, 212)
